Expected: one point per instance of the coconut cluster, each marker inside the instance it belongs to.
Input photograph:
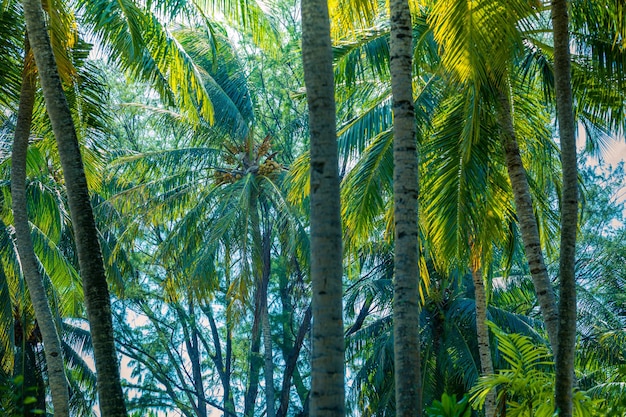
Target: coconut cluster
(244, 162)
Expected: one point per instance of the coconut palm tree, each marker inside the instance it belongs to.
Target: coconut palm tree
(489, 30)
(54, 353)
(226, 199)
(406, 306)
(327, 358)
(569, 210)
(87, 244)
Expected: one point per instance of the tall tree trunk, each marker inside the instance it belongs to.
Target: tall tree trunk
(569, 210)
(406, 307)
(327, 397)
(482, 334)
(291, 362)
(193, 349)
(255, 361)
(270, 396)
(229, 401)
(28, 260)
(97, 300)
(527, 220)
(261, 265)
(220, 361)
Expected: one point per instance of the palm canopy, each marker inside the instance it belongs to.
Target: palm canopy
(230, 176)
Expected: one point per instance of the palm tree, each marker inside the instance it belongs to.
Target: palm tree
(327, 358)
(51, 240)
(489, 29)
(406, 309)
(87, 244)
(28, 260)
(569, 210)
(224, 200)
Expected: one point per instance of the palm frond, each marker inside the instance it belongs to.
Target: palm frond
(7, 336)
(476, 38)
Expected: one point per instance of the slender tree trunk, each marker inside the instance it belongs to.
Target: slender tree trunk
(193, 349)
(482, 334)
(28, 260)
(223, 369)
(569, 210)
(528, 221)
(255, 361)
(261, 265)
(270, 396)
(229, 402)
(97, 300)
(360, 318)
(292, 361)
(327, 397)
(406, 307)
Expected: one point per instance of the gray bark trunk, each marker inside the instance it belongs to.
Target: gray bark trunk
(565, 355)
(270, 395)
(255, 361)
(223, 369)
(528, 221)
(482, 334)
(28, 260)
(193, 349)
(291, 362)
(97, 300)
(406, 309)
(327, 397)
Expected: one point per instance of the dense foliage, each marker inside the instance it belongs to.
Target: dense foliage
(193, 126)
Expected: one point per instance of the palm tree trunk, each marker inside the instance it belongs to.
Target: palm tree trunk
(97, 300)
(270, 396)
(527, 221)
(408, 381)
(327, 397)
(28, 261)
(255, 361)
(482, 334)
(569, 211)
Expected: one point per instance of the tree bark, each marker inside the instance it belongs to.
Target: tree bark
(261, 264)
(292, 361)
(193, 350)
(223, 369)
(270, 395)
(565, 354)
(482, 334)
(527, 220)
(406, 309)
(28, 260)
(97, 300)
(327, 397)
(255, 361)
